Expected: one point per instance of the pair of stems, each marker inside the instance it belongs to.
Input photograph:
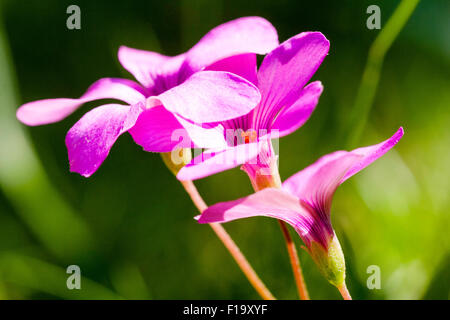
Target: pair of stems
(240, 259)
(228, 242)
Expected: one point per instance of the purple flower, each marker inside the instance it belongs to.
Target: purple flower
(173, 93)
(286, 104)
(305, 203)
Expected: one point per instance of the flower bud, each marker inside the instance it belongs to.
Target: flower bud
(330, 260)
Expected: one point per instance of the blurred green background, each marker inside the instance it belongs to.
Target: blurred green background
(130, 227)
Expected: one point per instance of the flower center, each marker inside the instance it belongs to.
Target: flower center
(249, 136)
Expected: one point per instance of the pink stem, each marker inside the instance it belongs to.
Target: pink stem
(229, 244)
(344, 292)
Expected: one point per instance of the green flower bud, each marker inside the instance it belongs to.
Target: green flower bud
(330, 261)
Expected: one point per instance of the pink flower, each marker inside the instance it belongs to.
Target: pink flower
(173, 93)
(286, 104)
(305, 203)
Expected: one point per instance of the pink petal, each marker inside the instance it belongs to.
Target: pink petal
(160, 73)
(320, 179)
(317, 183)
(90, 139)
(243, 35)
(243, 65)
(151, 69)
(53, 110)
(372, 153)
(210, 96)
(207, 135)
(273, 203)
(209, 163)
(143, 65)
(157, 130)
(293, 117)
(269, 202)
(285, 71)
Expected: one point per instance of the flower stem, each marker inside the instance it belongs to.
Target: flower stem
(344, 292)
(295, 262)
(259, 182)
(231, 246)
(371, 75)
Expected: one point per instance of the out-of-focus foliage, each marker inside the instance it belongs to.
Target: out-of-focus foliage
(130, 228)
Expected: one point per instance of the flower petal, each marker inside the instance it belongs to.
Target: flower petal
(293, 117)
(209, 163)
(319, 180)
(207, 135)
(151, 69)
(243, 35)
(157, 130)
(372, 153)
(53, 110)
(285, 71)
(240, 36)
(317, 183)
(143, 65)
(210, 96)
(270, 202)
(90, 139)
(243, 65)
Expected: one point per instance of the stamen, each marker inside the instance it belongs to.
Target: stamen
(249, 136)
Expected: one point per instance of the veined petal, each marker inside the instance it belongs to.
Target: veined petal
(143, 65)
(210, 96)
(154, 71)
(243, 35)
(209, 163)
(157, 130)
(270, 202)
(372, 153)
(243, 65)
(207, 135)
(293, 117)
(316, 184)
(53, 110)
(90, 139)
(285, 71)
